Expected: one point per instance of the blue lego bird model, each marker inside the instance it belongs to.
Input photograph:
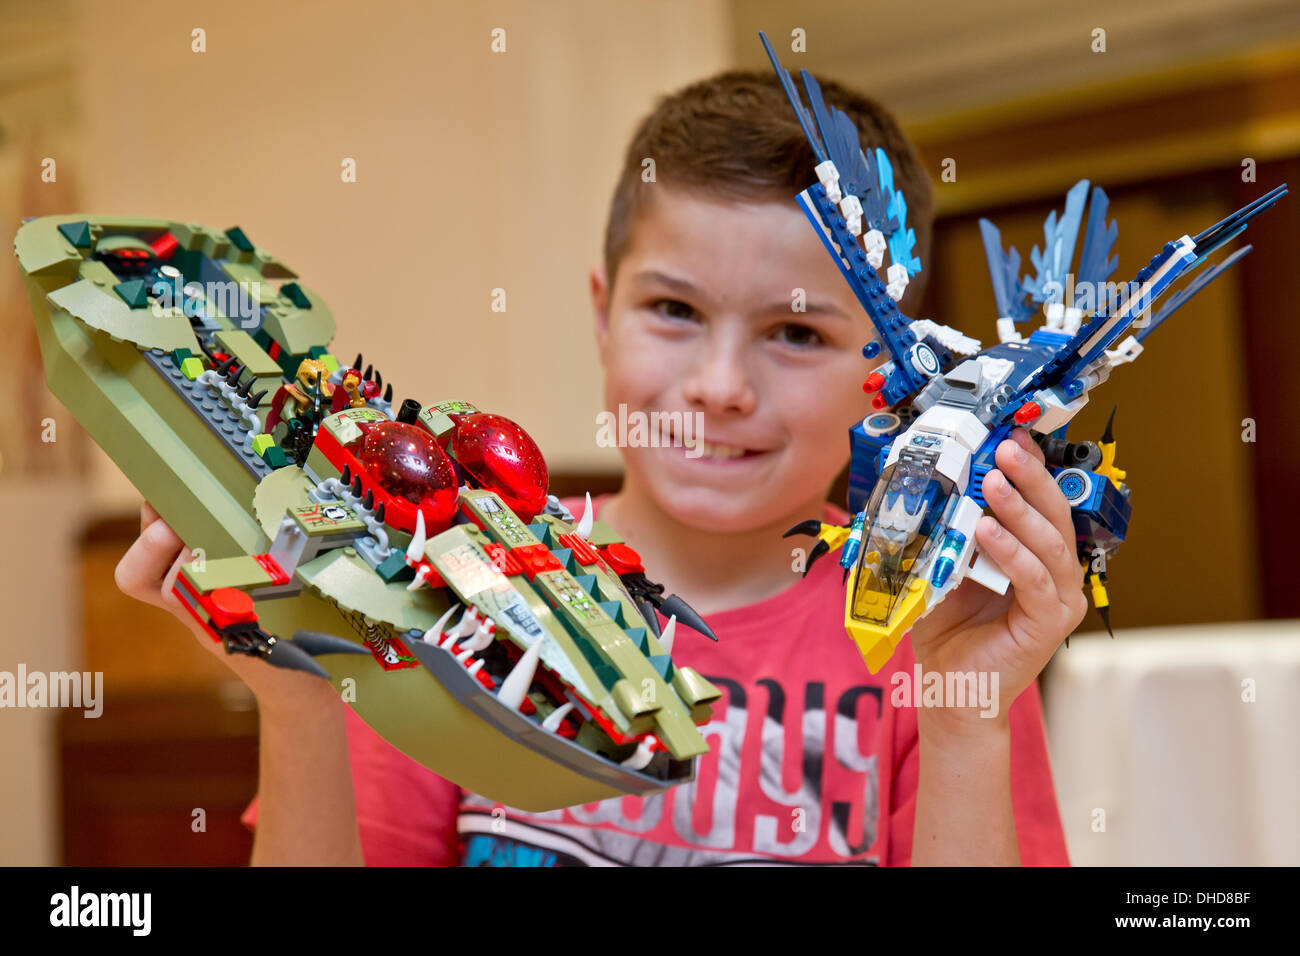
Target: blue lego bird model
(943, 402)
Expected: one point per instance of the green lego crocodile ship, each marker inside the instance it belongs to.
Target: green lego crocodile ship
(414, 557)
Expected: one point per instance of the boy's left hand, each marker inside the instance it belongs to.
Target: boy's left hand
(1031, 538)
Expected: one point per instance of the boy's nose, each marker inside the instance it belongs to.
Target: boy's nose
(720, 382)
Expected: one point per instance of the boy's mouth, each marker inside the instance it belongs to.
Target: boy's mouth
(713, 450)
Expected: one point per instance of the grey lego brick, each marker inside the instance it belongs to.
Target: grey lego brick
(214, 412)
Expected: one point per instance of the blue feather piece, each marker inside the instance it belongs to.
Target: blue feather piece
(1053, 263)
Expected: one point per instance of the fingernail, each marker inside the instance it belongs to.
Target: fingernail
(1021, 455)
(1002, 487)
(996, 530)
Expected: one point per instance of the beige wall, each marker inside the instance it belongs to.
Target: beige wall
(475, 170)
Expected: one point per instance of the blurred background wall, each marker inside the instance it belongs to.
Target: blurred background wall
(479, 171)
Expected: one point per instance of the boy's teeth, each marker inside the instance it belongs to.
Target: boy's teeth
(708, 450)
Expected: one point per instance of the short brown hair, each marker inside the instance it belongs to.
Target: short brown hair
(735, 136)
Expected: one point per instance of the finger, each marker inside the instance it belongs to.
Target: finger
(1036, 485)
(166, 595)
(1033, 531)
(147, 515)
(140, 572)
(1023, 438)
(1035, 588)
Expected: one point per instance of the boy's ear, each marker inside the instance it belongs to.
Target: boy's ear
(599, 285)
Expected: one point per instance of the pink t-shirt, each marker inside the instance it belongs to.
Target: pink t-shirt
(808, 763)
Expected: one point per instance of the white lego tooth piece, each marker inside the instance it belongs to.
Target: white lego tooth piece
(467, 624)
(588, 519)
(421, 578)
(415, 550)
(476, 667)
(556, 717)
(874, 244)
(464, 655)
(669, 632)
(642, 756)
(483, 636)
(515, 686)
(434, 634)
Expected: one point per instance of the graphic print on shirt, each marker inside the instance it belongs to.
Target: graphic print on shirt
(739, 809)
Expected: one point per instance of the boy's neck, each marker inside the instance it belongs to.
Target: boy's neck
(712, 571)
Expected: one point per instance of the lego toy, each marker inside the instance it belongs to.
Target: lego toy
(414, 558)
(943, 403)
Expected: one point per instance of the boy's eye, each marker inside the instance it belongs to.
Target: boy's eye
(674, 309)
(798, 335)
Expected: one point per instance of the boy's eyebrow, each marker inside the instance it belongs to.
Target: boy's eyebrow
(685, 286)
(663, 278)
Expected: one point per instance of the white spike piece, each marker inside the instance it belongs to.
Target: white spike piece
(464, 655)
(434, 634)
(515, 686)
(556, 717)
(584, 526)
(483, 636)
(669, 632)
(421, 578)
(415, 550)
(476, 667)
(642, 756)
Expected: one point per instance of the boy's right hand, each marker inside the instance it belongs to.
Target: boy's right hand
(147, 573)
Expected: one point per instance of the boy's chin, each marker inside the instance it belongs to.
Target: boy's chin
(717, 510)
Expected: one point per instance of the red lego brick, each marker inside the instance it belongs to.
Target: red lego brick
(500, 557)
(535, 559)
(622, 559)
(278, 575)
(583, 551)
(227, 606)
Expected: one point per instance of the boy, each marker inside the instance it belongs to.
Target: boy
(811, 760)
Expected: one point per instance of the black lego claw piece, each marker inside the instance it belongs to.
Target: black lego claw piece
(316, 643)
(1105, 619)
(811, 526)
(820, 548)
(388, 393)
(357, 362)
(687, 615)
(293, 658)
(1108, 436)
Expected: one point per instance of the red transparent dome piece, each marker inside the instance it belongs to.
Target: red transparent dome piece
(407, 462)
(502, 457)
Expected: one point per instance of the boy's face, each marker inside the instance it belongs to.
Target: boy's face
(702, 318)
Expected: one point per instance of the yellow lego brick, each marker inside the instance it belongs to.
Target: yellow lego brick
(261, 443)
(192, 367)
